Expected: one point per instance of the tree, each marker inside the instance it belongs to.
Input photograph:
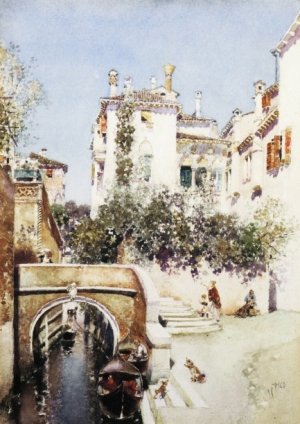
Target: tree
(60, 214)
(68, 216)
(162, 227)
(19, 95)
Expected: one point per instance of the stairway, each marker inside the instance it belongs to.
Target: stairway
(180, 398)
(179, 318)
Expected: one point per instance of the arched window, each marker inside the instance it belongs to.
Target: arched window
(200, 176)
(145, 154)
(147, 162)
(217, 177)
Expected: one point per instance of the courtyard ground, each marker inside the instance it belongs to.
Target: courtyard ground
(252, 368)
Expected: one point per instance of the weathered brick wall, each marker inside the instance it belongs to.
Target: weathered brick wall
(6, 283)
(35, 228)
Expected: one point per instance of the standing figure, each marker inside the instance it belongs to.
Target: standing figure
(139, 352)
(215, 301)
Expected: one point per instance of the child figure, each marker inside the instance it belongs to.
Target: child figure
(204, 306)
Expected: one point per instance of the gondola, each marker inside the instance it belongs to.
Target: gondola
(130, 354)
(120, 389)
(140, 363)
(68, 337)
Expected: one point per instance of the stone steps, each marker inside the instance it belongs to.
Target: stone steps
(180, 396)
(179, 318)
(182, 314)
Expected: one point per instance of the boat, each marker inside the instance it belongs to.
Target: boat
(141, 363)
(68, 337)
(136, 356)
(120, 389)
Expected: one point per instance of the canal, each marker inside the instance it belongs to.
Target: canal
(63, 390)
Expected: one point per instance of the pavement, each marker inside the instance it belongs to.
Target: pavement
(252, 374)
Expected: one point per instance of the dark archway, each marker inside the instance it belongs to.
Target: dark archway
(47, 325)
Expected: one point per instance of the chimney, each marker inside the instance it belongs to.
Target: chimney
(113, 82)
(169, 69)
(198, 98)
(128, 86)
(259, 87)
(152, 82)
(43, 152)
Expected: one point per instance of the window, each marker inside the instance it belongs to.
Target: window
(275, 153)
(103, 124)
(200, 176)
(266, 100)
(247, 168)
(147, 159)
(228, 180)
(217, 177)
(186, 176)
(146, 118)
(288, 142)
(49, 173)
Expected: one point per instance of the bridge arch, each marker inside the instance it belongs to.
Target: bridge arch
(78, 299)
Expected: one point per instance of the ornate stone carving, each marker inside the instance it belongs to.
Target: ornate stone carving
(72, 290)
(27, 191)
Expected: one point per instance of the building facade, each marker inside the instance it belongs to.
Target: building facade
(263, 159)
(170, 148)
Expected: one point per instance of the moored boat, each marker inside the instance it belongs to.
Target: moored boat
(68, 337)
(120, 389)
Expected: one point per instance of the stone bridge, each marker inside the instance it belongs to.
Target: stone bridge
(125, 295)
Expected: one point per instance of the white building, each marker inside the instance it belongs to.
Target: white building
(170, 148)
(263, 161)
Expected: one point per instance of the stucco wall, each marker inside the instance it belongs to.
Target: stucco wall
(6, 283)
(231, 289)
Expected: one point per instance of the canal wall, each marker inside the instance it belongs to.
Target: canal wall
(6, 284)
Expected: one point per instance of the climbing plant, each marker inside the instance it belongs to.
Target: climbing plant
(124, 140)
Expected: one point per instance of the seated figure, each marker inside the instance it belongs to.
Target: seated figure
(249, 308)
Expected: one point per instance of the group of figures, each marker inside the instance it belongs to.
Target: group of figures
(211, 307)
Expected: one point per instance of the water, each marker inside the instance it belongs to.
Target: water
(63, 389)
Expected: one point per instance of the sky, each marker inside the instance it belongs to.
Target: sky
(220, 47)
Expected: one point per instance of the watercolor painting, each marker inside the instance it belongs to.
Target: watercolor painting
(149, 211)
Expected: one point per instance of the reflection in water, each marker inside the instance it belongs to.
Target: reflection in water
(64, 389)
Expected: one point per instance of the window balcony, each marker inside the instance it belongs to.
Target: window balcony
(27, 175)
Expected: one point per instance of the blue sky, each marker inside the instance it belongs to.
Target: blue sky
(219, 47)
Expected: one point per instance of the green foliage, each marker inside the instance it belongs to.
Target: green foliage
(60, 214)
(124, 140)
(19, 95)
(162, 227)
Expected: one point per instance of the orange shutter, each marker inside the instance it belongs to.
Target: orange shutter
(277, 151)
(266, 100)
(269, 156)
(103, 124)
(288, 145)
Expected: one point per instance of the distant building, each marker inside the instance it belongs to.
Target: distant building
(38, 167)
(170, 147)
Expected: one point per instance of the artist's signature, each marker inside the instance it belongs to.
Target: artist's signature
(275, 388)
